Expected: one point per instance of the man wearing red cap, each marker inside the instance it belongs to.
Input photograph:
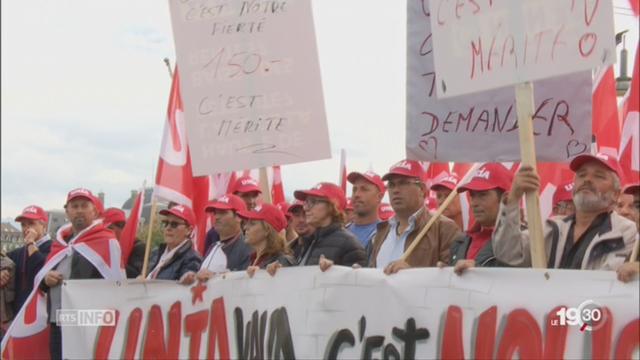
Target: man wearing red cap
(486, 189)
(594, 238)
(114, 219)
(303, 230)
(407, 192)
(367, 193)
(29, 258)
(324, 209)
(229, 226)
(563, 200)
(443, 186)
(248, 189)
(79, 252)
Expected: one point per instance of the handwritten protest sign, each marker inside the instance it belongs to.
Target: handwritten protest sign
(485, 44)
(302, 313)
(250, 82)
(483, 126)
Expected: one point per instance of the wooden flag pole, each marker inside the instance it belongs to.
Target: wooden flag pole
(636, 250)
(525, 109)
(439, 212)
(264, 186)
(147, 248)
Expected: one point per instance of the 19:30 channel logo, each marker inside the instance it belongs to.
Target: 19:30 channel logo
(588, 316)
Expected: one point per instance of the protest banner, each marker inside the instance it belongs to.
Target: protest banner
(483, 45)
(483, 126)
(302, 313)
(250, 81)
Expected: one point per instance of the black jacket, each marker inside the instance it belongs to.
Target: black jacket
(485, 257)
(238, 254)
(136, 259)
(184, 260)
(26, 269)
(336, 244)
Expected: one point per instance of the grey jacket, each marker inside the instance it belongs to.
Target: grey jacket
(607, 251)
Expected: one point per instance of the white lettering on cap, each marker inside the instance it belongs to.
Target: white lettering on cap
(30, 209)
(179, 208)
(403, 164)
(248, 182)
(80, 191)
(370, 174)
(318, 187)
(257, 208)
(450, 179)
(568, 187)
(224, 199)
(483, 173)
(387, 208)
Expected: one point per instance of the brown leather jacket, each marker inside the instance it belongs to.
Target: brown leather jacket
(434, 247)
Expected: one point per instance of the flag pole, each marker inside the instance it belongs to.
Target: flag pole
(168, 63)
(264, 186)
(439, 212)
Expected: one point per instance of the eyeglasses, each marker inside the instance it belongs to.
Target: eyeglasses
(311, 202)
(402, 183)
(172, 224)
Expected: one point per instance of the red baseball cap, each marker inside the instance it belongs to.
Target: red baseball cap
(489, 176)
(246, 184)
(33, 212)
(632, 189)
(183, 212)
(84, 193)
(369, 176)
(410, 168)
(326, 190)
(564, 192)
(446, 180)
(605, 160)
(385, 212)
(227, 202)
(113, 216)
(296, 204)
(267, 213)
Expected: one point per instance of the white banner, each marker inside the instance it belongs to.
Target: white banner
(481, 45)
(483, 127)
(302, 313)
(250, 80)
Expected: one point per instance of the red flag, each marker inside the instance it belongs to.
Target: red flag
(629, 150)
(174, 178)
(551, 175)
(277, 190)
(635, 6)
(343, 171)
(28, 335)
(605, 123)
(130, 230)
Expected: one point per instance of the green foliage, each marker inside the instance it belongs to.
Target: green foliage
(156, 234)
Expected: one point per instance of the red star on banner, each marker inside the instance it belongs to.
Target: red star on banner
(196, 292)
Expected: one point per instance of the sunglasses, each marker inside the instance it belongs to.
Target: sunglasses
(311, 202)
(171, 224)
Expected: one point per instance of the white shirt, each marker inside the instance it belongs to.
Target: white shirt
(216, 260)
(393, 246)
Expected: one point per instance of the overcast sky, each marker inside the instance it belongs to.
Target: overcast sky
(85, 90)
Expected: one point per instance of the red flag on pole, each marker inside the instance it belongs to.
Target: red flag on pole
(130, 230)
(629, 150)
(605, 123)
(277, 189)
(174, 178)
(343, 170)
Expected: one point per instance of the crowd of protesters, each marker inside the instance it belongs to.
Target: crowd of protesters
(594, 226)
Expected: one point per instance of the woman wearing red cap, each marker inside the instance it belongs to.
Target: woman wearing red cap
(262, 228)
(175, 259)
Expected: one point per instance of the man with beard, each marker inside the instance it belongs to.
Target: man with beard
(594, 238)
(368, 191)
